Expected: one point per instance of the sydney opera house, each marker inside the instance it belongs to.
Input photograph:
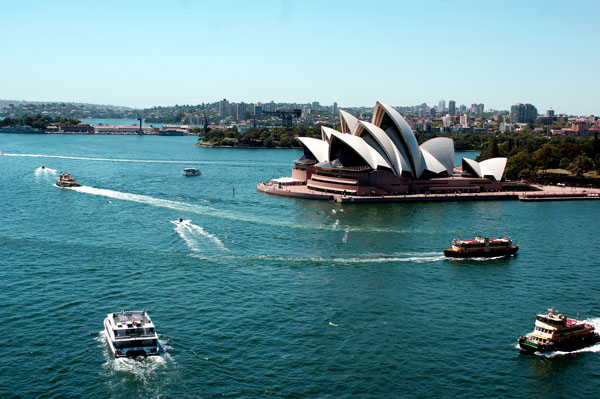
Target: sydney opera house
(381, 159)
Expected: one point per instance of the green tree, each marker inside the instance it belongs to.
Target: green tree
(580, 165)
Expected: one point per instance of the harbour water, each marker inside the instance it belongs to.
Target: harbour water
(266, 296)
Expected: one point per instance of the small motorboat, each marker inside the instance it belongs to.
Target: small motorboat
(191, 172)
(65, 180)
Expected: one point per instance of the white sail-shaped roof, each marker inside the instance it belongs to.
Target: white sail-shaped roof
(318, 148)
(361, 148)
(493, 167)
(490, 167)
(326, 132)
(442, 148)
(431, 163)
(401, 134)
(392, 155)
(348, 122)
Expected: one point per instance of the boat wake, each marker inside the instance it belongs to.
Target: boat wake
(357, 259)
(191, 234)
(153, 161)
(44, 171)
(140, 368)
(144, 199)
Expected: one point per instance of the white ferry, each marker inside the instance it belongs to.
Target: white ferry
(131, 334)
(191, 172)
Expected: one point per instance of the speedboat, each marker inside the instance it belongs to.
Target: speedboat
(65, 180)
(191, 172)
(556, 332)
(131, 334)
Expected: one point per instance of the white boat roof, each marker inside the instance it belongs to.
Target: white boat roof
(129, 319)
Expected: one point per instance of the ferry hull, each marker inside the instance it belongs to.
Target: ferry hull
(482, 252)
(528, 346)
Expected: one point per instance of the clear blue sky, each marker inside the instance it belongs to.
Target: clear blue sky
(143, 53)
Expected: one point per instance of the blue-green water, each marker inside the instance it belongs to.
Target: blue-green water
(264, 296)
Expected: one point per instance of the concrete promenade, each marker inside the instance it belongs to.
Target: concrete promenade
(545, 193)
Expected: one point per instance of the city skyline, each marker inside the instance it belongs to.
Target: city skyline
(143, 54)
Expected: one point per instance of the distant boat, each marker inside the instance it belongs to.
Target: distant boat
(191, 172)
(481, 247)
(65, 180)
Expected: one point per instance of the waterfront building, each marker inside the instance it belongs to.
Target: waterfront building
(382, 158)
(452, 107)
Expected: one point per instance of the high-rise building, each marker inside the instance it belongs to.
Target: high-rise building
(480, 108)
(441, 106)
(523, 113)
(315, 107)
(335, 109)
(271, 106)
(550, 112)
(464, 120)
(452, 107)
(462, 109)
(258, 109)
(224, 108)
(473, 108)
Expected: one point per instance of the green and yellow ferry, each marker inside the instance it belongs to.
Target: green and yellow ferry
(556, 332)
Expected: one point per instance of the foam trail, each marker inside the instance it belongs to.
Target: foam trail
(335, 225)
(345, 238)
(204, 210)
(143, 199)
(44, 171)
(139, 369)
(142, 160)
(190, 233)
(329, 260)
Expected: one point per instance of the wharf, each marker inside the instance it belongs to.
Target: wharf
(545, 193)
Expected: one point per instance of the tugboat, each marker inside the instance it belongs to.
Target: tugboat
(556, 332)
(65, 180)
(481, 247)
(131, 334)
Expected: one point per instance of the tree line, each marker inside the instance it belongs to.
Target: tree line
(38, 121)
(527, 154)
(278, 137)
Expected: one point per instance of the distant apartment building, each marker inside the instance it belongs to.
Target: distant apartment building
(523, 113)
(335, 109)
(441, 106)
(315, 107)
(258, 110)
(462, 109)
(464, 120)
(224, 108)
(452, 107)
